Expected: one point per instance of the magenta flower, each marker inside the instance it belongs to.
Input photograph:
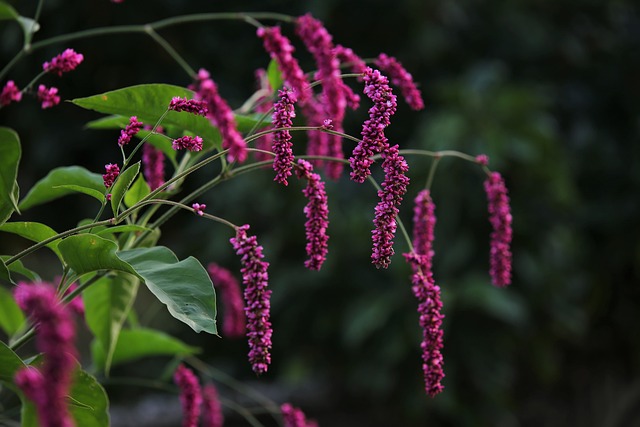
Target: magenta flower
(193, 106)
(234, 324)
(111, 173)
(294, 417)
(257, 298)
(212, 415)
(191, 143)
(482, 159)
(430, 311)
(221, 115)
(500, 218)
(373, 139)
(393, 188)
(402, 79)
(129, 131)
(63, 63)
(153, 166)
(76, 304)
(190, 395)
(10, 93)
(199, 208)
(49, 386)
(346, 56)
(281, 50)
(317, 213)
(283, 114)
(48, 96)
(424, 221)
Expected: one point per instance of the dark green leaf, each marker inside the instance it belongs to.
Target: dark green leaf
(149, 102)
(134, 344)
(121, 186)
(10, 363)
(86, 253)
(88, 403)
(45, 190)
(99, 195)
(6, 206)
(10, 153)
(4, 272)
(33, 231)
(137, 192)
(7, 12)
(274, 76)
(11, 317)
(121, 229)
(247, 123)
(107, 303)
(19, 268)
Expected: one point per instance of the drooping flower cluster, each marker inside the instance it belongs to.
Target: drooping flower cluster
(317, 213)
(424, 222)
(48, 386)
(348, 57)
(221, 115)
(199, 208)
(190, 395)
(281, 50)
(212, 414)
(373, 139)
(257, 298)
(153, 166)
(10, 93)
(191, 143)
(48, 97)
(283, 114)
(193, 106)
(500, 218)
(129, 131)
(234, 324)
(76, 304)
(401, 78)
(482, 159)
(63, 63)
(393, 188)
(111, 173)
(294, 417)
(430, 311)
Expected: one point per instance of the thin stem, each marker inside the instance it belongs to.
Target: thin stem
(29, 34)
(11, 63)
(188, 208)
(432, 172)
(443, 153)
(171, 51)
(242, 411)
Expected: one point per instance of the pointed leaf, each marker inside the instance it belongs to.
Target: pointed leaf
(137, 192)
(45, 190)
(99, 195)
(11, 317)
(33, 231)
(10, 153)
(107, 304)
(183, 286)
(4, 272)
(6, 205)
(149, 102)
(274, 76)
(86, 253)
(121, 186)
(19, 268)
(10, 363)
(134, 344)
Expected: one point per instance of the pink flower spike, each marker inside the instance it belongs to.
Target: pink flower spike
(257, 298)
(402, 79)
(500, 218)
(111, 173)
(76, 304)
(63, 63)
(48, 97)
(424, 221)
(212, 415)
(234, 324)
(317, 213)
(153, 166)
(294, 417)
(199, 208)
(190, 395)
(129, 131)
(193, 106)
(10, 93)
(482, 159)
(191, 143)
(346, 56)
(283, 114)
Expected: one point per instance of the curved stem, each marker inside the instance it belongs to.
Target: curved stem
(170, 50)
(29, 35)
(432, 172)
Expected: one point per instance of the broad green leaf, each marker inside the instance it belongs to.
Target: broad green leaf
(45, 190)
(107, 304)
(33, 231)
(149, 102)
(86, 253)
(134, 344)
(183, 286)
(11, 317)
(121, 186)
(19, 268)
(137, 192)
(247, 123)
(10, 363)
(99, 195)
(7, 12)
(274, 76)
(10, 153)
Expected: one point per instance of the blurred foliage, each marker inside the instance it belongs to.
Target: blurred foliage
(548, 90)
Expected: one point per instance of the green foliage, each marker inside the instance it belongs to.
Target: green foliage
(122, 184)
(10, 363)
(10, 153)
(33, 231)
(11, 317)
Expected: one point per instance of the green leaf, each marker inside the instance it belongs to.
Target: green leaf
(149, 102)
(4, 272)
(7, 12)
(99, 195)
(137, 192)
(10, 363)
(10, 153)
(107, 304)
(11, 317)
(183, 286)
(247, 123)
(45, 190)
(121, 186)
(274, 76)
(33, 231)
(134, 344)
(86, 253)
(18, 267)
(121, 229)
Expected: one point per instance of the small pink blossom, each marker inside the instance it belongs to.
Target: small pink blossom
(190, 395)
(234, 324)
(129, 131)
(111, 173)
(294, 417)
(48, 96)
(191, 143)
(189, 105)
(317, 213)
(199, 208)
(401, 78)
(153, 166)
(482, 159)
(63, 63)
(283, 114)
(500, 218)
(212, 415)
(10, 93)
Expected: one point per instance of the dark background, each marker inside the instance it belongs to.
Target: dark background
(549, 90)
